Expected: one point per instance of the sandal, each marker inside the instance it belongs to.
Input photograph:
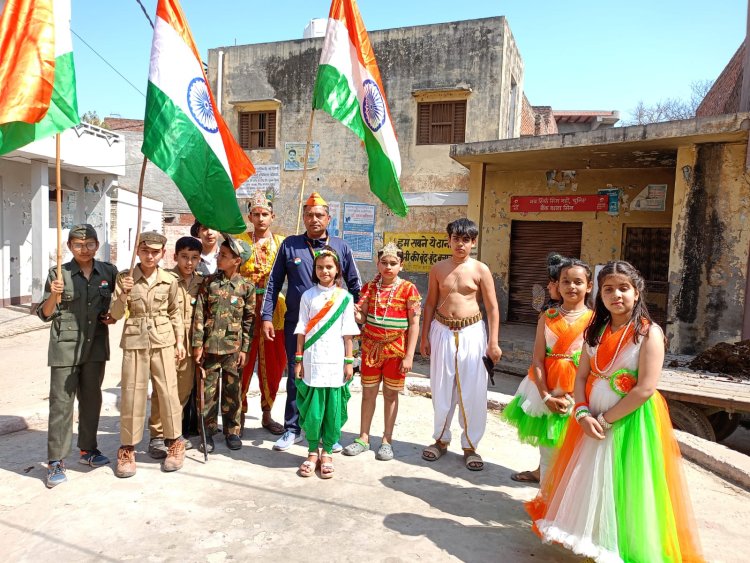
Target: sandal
(307, 469)
(473, 461)
(525, 477)
(385, 452)
(357, 447)
(435, 451)
(274, 428)
(326, 467)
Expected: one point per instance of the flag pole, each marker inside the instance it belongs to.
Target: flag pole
(304, 169)
(138, 222)
(58, 197)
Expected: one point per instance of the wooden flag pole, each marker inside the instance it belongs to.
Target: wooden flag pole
(304, 169)
(58, 197)
(138, 222)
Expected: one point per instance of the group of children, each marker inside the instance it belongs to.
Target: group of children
(612, 487)
(611, 482)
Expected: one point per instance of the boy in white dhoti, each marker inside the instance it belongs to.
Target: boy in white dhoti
(455, 339)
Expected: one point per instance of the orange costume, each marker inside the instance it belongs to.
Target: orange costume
(270, 355)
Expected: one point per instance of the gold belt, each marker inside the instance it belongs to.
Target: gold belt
(458, 324)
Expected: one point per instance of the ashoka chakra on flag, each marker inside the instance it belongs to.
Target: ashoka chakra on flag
(373, 108)
(199, 103)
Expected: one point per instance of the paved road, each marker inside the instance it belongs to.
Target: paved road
(252, 504)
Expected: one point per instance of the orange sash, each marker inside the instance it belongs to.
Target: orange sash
(607, 348)
(320, 314)
(561, 372)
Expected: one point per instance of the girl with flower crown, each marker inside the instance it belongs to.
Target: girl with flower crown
(616, 491)
(389, 309)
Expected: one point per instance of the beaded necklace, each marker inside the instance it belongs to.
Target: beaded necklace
(572, 314)
(394, 285)
(617, 350)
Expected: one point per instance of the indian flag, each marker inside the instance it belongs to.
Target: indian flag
(349, 88)
(183, 133)
(37, 75)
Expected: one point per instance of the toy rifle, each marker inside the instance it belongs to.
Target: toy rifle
(200, 377)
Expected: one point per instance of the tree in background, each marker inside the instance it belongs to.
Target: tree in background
(670, 109)
(92, 118)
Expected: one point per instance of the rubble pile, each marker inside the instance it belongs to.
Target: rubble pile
(732, 359)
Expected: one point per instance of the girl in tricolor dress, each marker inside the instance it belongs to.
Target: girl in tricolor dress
(389, 309)
(616, 491)
(324, 361)
(542, 405)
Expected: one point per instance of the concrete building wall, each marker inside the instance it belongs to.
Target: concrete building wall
(710, 241)
(602, 234)
(125, 204)
(477, 60)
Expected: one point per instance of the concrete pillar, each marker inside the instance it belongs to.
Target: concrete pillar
(475, 207)
(40, 243)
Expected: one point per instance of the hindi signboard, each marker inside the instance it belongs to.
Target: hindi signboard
(558, 203)
(421, 250)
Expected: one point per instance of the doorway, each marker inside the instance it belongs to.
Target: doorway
(647, 248)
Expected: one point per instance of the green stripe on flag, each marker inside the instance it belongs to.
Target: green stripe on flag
(333, 95)
(175, 144)
(329, 323)
(62, 113)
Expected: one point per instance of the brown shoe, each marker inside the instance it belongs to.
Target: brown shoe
(175, 455)
(125, 462)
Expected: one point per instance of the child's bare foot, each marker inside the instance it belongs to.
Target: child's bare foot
(307, 469)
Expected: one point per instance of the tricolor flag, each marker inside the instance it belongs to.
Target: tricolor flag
(37, 76)
(348, 86)
(183, 133)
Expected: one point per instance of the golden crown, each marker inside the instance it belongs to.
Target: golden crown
(390, 249)
(259, 199)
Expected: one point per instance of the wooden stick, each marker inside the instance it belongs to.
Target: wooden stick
(138, 223)
(304, 169)
(58, 196)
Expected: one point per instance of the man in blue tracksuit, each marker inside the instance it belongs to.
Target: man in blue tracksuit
(294, 262)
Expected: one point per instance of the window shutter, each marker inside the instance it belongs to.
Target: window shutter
(244, 130)
(271, 137)
(459, 122)
(423, 124)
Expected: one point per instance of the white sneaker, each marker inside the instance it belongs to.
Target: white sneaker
(287, 440)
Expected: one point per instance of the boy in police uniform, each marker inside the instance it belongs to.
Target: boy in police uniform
(187, 255)
(222, 332)
(152, 340)
(78, 350)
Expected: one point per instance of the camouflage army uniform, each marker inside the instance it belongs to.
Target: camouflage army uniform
(185, 368)
(223, 325)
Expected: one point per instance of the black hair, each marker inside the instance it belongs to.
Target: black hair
(195, 228)
(322, 253)
(640, 316)
(463, 227)
(555, 263)
(576, 263)
(399, 255)
(188, 243)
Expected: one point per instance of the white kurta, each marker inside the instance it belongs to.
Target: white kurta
(467, 389)
(324, 361)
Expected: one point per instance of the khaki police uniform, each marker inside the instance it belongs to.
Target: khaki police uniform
(155, 321)
(186, 368)
(77, 353)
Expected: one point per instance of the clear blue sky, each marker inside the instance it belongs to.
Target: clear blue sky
(579, 54)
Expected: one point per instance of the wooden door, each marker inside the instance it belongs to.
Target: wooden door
(647, 248)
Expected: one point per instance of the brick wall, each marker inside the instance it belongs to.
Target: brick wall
(724, 95)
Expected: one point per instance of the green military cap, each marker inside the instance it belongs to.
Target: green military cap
(83, 231)
(238, 247)
(154, 240)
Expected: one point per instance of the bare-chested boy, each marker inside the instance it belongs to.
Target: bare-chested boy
(455, 338)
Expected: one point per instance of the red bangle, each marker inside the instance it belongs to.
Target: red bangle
(575, 407)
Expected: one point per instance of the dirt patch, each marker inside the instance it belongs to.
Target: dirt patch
(730, 359)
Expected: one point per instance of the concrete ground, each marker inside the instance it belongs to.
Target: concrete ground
(251, 503)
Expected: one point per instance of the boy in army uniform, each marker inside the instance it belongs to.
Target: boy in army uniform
(187, 254)
(78, 350)
(151, 341)
(222, 329)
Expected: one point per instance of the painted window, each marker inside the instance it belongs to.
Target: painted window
(257, 130)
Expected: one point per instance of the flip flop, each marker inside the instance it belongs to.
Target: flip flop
(274, 428)
(525, 477)
(473, 461)
(434, 452)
